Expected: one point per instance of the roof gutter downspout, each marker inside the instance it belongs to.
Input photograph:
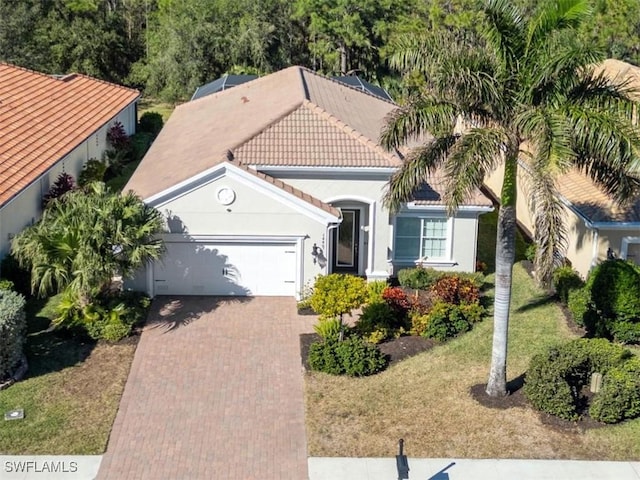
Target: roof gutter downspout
(594, 251)
(331, 226)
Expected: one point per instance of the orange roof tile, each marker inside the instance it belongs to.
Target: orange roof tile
(43, 118)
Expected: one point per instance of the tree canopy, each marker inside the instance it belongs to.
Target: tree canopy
(169, 47)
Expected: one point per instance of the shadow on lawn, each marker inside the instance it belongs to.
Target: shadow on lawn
(49, 350)
(539, 301)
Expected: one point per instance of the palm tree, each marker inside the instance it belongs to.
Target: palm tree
(86, 237)
(521, 93)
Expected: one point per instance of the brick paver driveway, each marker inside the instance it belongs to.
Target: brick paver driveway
(215, 392)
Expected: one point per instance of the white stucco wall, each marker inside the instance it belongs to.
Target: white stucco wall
(337, 190)
(26, 207)
(253, 213)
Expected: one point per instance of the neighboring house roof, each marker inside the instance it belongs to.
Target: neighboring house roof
(432, 193)
(589, 200)
(43, 118)
(228, 81)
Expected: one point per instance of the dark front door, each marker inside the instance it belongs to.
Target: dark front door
(345, 243)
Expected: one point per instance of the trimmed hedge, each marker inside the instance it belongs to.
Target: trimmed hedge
(353, 357)
(619, 398)
(419, 278)
(615, 287)
(555, 379)
(13, 328)
(565, 280)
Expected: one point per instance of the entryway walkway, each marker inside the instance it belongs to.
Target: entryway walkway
(215, 392)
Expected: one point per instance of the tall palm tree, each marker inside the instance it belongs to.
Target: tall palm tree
(86, 237)
(522, 93)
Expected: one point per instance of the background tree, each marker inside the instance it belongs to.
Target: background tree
(85, 238)
(523, 92)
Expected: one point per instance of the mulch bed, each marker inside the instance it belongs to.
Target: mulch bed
(396, 349)
(517, 399)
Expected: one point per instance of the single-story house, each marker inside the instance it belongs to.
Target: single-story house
(596, 226)
(274, 181)
(49, 125)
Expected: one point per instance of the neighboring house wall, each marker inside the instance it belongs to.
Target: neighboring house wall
(26, 207)
(587, 244)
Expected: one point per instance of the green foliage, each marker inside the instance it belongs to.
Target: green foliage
(619, 397)
(110, 317)
(353, 357)
(419, 278)
(378, 322)
(615, 287)
(555, 379)
(565, 279)
(530, 252)
(336, 294)
(375, 290)
(13, 330)
(140, 144)
(20, 277)
(6, 284)
(456, 290)
(329, 329)
(581, 309)
(83, 242)
(92, 171)
(150, 122)
(625, 331)
(446, 320)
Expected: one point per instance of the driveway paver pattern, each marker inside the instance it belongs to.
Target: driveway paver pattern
(215, 392)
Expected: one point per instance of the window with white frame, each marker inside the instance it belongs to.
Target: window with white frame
(420, 237)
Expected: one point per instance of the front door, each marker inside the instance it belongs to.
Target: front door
(346, 240)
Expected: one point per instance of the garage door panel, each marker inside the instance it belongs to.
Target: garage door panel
(227, 269)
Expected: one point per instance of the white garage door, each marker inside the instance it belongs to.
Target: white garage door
(196, 268)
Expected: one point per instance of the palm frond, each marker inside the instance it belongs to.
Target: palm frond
(476, 153)
(554, 17)
(549, 135)
(598, 92)
(504, 31)
(420, 118)
(607, 150)
(416, 169)
(548, 212)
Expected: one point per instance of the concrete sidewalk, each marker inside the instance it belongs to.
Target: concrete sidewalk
(321, 468)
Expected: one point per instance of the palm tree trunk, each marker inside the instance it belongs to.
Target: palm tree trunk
(505, 257)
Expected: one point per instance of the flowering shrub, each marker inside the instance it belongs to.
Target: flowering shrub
(456, 290)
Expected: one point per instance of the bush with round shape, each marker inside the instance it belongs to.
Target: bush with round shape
(581, 309)
(447, 320)
(337, 294)
(565, 280)
(353, 357)
(619, 397)
(397, 300)
(380, 317)
(13, 329)
(419, 278)
(555, 378)
(614, 286)
(375, 290)
(150, 122)
(456, 290)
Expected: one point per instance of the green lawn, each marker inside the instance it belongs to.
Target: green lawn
(147, 104)
(426, 400)
(70, 395)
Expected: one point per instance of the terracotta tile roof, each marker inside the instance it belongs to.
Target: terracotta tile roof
(592, 202)
(577, 188)
(310, 136)
(293, 117)
(292, 190)
(43, 118)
